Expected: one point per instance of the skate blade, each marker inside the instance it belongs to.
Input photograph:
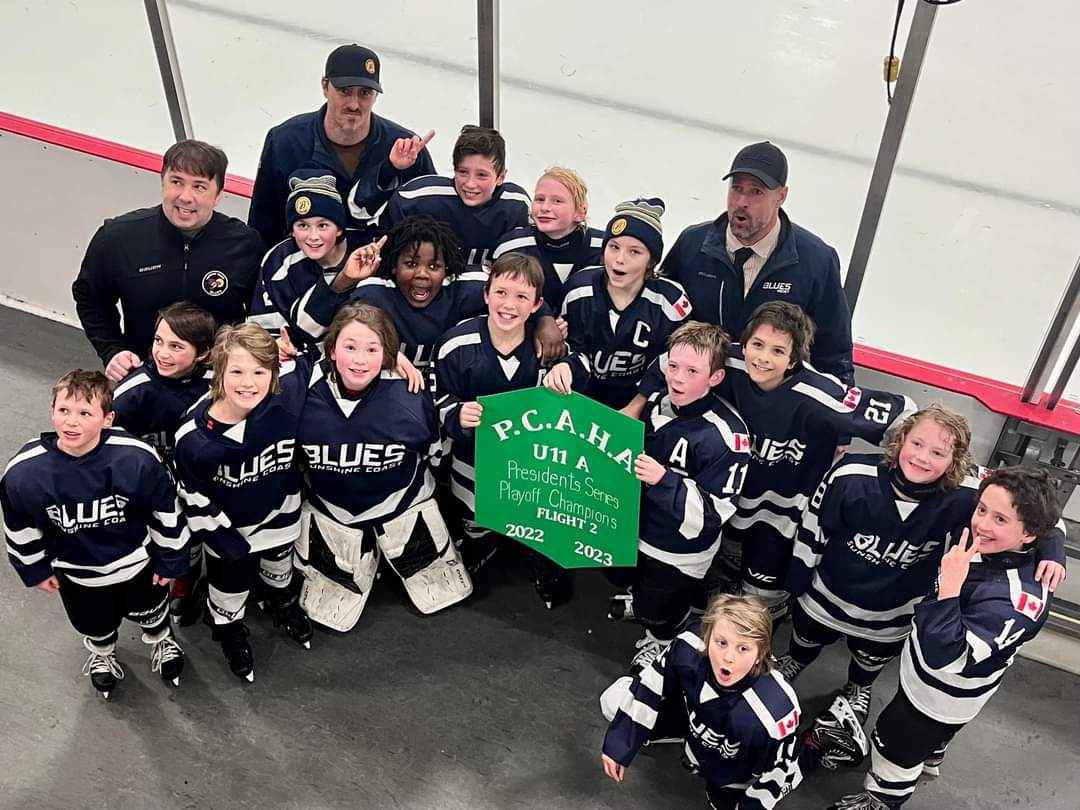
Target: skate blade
(104, 695)
(549, 604)
(250, 677)
(175, 681)
(307, 645)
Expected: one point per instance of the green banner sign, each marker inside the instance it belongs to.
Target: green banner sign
(556, 473)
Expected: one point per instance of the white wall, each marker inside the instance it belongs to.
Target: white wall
(54, 200)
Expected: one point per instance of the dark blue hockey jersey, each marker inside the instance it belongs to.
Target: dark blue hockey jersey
(706, 449)
(741, 737)
(609, 348)
(241, 488)
(365, 460)
(98, 519)
(864, 557)
(420, 328)
(468, 366)
(152, 407)
(794, 431)
(959, 648)
(478, 228)
(560, 258)
(299, 288)
(262, 311)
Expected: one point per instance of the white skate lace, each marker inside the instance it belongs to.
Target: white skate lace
(648, 650)
(100, 662)
(164, 651)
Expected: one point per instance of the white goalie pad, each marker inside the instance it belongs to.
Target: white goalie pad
(417, 546)
(324, 599)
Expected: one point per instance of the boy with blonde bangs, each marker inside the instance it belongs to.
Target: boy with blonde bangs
(696, 452)
(90, 512)
(560, 238)
(871, 541)
(715, 689)
(241, 488)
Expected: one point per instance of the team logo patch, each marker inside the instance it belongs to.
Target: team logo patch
(369, 66)
(215, 283)
(618, 226)
(302, 205)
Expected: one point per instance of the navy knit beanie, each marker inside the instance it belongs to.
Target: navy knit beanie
(312, 194)
(639, 218)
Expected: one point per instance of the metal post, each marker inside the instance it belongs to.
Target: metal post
(910, 68)
(487, 44)
(157, 14)
(1057, 334)
(1063, 376)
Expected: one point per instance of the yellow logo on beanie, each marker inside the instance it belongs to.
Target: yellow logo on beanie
(302, 205)
(369, 65)
(618, 226)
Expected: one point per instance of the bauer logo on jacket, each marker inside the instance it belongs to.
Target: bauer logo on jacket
(302, 205)
(215, 283)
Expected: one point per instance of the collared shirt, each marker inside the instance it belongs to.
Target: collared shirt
(763, 249)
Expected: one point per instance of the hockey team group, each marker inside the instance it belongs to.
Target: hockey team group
(290, 406)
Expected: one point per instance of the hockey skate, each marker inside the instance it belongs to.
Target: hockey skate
(234, 644)
(621, 607)
(859, 698)
(932, 765)
(103, 668)
(555, 588)
(789, 667)
(838, 737)
(187, 599)
(291, 618)
(649, 649)
(167, 658)
(859, 801)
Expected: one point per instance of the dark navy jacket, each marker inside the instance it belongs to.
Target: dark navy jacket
(152, 407)
(560, 258)
(301, 142)
(802, 270)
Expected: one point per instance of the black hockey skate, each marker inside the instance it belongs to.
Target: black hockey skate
(234, 644)
(103, 668)
(187, 600)
(291, 618)
(859, 801)
(838, 737)
(167, 659)
(555, 588)
(621, 607)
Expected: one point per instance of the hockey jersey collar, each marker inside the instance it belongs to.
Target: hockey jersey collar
(572, 241)
(1005, 560)
(50, 439)
(200, 372)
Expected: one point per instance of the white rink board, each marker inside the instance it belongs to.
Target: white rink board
(979, 232)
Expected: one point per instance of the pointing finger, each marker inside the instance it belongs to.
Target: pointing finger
(427, 138)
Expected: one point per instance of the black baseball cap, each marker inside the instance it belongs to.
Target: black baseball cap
(763, 161)
(353, 66)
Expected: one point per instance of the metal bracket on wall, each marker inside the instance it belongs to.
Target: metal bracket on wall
(487, 44)
(910, 67)
(157, 15)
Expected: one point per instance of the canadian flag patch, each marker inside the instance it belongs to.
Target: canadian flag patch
(853, 397)
(788, 724)
(742, 442)
(1030, 605)
(682, 306)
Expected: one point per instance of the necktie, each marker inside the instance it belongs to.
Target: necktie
(742, 255)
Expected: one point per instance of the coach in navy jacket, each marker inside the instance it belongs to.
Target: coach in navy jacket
(344, 138)
(754, 253)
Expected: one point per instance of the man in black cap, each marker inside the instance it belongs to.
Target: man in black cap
(364, 151)
(754, 253)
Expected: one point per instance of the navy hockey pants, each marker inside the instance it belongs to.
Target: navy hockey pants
(663, 596)
(230, 581)
(809, 637)
(903, 739)
(98, 612)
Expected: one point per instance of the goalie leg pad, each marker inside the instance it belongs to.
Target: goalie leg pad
(339, 565)
(417, 546)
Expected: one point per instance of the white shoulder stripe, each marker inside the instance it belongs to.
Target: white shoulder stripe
(823, 397)
(455, 343)
(131, 441)
(511, 245)
(428, 191)
(133, 381)
(288, 262)
(519, 196)
(26, 455)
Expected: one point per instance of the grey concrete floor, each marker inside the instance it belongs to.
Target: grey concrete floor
(492, 704)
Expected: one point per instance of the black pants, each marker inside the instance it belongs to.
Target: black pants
(230, 581)
(903, 739)
(663, 596)
(97, 612)
(868, 657)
